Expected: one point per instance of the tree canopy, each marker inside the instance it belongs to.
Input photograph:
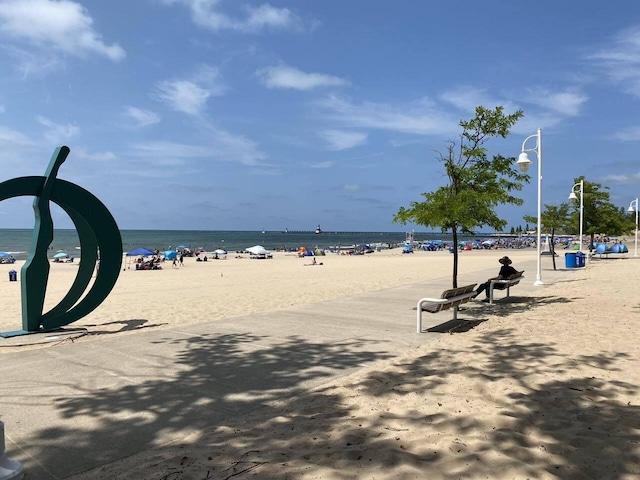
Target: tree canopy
(476, 184)
(600, 216)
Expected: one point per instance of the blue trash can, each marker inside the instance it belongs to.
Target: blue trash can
(13, 276)
(570, 260)
(580, 259)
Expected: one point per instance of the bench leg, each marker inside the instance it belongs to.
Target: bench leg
(491, 294)
(419, 318)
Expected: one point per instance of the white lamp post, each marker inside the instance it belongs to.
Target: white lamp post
(573, 198)
(633, 207)
(524, 162)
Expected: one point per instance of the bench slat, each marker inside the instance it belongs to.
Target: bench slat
(451, 298)
(502, 284)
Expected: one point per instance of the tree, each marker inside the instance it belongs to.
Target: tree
(600, 216)
(476, 184)
(552, 218)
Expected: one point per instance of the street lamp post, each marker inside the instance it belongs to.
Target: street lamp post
(572, 197)
(633, 207)
(524, 162)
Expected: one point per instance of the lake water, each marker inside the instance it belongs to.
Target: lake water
(18, 241)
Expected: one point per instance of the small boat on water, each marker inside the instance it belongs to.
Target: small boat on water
(318, 230)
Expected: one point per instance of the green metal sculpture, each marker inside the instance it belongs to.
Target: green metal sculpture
(100, 241)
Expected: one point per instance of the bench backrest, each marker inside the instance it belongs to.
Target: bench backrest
(510, 281)
(454, 292)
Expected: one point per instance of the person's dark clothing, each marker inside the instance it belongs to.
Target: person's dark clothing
(505, 272)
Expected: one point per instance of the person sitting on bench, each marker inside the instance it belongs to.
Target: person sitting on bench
(506, 272)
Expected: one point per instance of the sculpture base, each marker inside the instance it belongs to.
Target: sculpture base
(19, 338)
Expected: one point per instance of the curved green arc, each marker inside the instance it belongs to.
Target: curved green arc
(97, 230)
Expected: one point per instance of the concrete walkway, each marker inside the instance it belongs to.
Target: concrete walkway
(71, 407)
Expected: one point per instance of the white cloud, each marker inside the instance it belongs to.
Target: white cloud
(57, 132)
(340, 140)
(237, 148)
(208, 14)
(468, 98)
(2, 109)
(49, 25)
(183, 95)
(223, 146)
(168, 153)
(632, 179)
(9, 136)
(419, 117)
(351, 188)
(326, 164)
(191, 95)
(555, 105)
(567, 102)
(621, 60)
(266, 16)
(630, 134)
(30, 62)
(142, 117)
(94, 156)
(283, 76)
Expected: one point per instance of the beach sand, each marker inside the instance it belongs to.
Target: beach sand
(217, 289)
(549, 390)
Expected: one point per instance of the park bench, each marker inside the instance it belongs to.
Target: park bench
(451, 298)
(507, 283)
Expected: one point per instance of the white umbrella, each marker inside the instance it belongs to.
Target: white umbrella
(257, 250)
(220, 252)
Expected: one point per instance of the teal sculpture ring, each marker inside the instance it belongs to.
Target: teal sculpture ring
(97, 232)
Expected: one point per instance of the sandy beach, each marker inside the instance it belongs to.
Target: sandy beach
(204, 291)
(545, 387)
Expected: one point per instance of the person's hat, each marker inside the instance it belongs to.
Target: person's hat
(505, 260)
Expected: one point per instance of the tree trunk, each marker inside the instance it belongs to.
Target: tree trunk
(552, 248)
(455, 257)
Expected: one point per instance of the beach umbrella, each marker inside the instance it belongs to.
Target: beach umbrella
(182, 247)
(61, 255)
(4, 255)
(145, 252)
(220, 252)
(257, 250)
(170, 254)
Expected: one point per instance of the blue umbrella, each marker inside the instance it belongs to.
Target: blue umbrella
(145, 252)
(182, 246)
(61, 255)
(170, 254)
(4, 254)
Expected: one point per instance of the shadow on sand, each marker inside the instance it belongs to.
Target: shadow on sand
(235, 389)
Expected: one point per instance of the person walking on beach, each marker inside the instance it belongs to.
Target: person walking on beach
(182, 259)
(506, 271)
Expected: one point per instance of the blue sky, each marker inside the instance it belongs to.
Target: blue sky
(244, 115)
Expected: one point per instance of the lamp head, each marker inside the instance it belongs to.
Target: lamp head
(523, 162)
(573, 197)
(631, 210)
